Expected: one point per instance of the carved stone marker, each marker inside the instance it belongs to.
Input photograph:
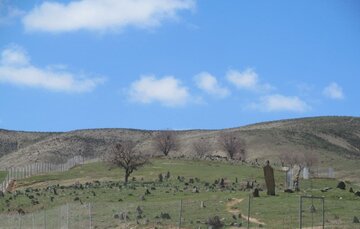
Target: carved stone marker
(269, 179)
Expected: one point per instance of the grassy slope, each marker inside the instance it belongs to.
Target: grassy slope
(274, 211)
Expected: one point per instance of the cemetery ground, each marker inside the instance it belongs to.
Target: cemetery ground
(149, 203)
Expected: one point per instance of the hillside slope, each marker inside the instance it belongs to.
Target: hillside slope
(335, 140)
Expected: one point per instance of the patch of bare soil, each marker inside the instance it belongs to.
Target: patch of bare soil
(230, 208)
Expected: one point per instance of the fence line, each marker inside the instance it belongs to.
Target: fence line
(179, 214)
(15, 173)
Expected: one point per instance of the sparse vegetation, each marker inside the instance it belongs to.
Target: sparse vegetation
(201, 147)
(166, 141)
(233, 145)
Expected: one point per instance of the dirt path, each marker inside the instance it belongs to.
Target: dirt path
(230, 208)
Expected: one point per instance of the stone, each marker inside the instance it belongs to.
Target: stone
(351, 190)
(269, 179)
(341, 185)
(289, 190)
(255, 192)
(165, 215)
(195, 190)
(325, 189)
(357, 193)
(356, 220)
(222, 183)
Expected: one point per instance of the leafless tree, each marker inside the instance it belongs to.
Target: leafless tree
(302, 160)
(233, 145)
(166, 141)
(201, 147)
(310, 160)
(125, 156)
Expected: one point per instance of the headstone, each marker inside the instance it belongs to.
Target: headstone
(269, 179)
(306, 173)
(341, 185)
(255, 193)
(356, 220)
(222, 183)
(357, 193)
(289, 179)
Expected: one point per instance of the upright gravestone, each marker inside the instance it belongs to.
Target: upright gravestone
(269, 179)
(289, 179)
(306, 173)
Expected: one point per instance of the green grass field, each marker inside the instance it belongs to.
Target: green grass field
(2, 176)
(108, 195)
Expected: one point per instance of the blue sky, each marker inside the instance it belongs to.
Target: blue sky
(178, 64)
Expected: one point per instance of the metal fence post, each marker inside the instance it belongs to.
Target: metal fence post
(248, 218)
(180, 214)
(300, 213)
(90, 217)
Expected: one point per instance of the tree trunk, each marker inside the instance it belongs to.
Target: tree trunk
(127, 174)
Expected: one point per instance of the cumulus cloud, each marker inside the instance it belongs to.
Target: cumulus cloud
(100, 15)
(248, 80)
(167, 91)
(208, 83)
(333, 91)
(16, 69)
(277, 102)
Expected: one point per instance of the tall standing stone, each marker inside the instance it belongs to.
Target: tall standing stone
(269, 179)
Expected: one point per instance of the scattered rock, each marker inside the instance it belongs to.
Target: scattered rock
(325, 189)
(341, 185)
(165, 215)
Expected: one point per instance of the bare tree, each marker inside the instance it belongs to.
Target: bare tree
(201, 147)
(233, 145)
(302, 160)
(125, 156)
(166, 141)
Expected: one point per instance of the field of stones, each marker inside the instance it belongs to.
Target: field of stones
(172, 193)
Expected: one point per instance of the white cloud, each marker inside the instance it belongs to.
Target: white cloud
(277, 102)
(208, 83)
(333, 91)
(247, 79)
(101, 15)
(168, 91)
(16, 69)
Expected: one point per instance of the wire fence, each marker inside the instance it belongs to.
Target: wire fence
(184, 214)
(16, 173)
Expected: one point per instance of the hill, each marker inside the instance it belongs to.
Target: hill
(335, 140)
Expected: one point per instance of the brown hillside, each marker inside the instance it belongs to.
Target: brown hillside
(336, 140)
